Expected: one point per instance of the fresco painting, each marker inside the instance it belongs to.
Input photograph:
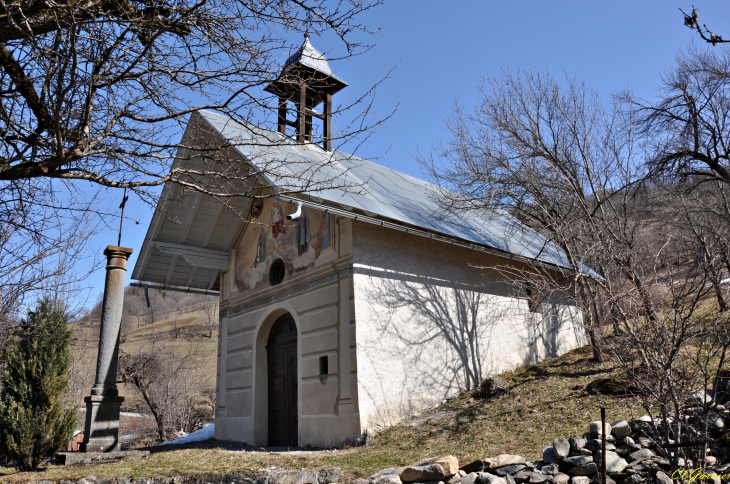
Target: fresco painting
(271, 236)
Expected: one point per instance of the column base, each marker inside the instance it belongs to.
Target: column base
(101, 430)
(345, 407)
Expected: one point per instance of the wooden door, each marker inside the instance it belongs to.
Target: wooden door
(281, 351)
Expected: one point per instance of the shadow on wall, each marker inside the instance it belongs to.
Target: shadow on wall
(444, 338)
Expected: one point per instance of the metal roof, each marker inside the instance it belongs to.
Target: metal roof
(354, 184)
(308, 56)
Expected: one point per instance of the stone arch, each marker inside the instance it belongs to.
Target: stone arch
(260, 410)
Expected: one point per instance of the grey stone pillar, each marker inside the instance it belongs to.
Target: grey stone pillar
(101, 431)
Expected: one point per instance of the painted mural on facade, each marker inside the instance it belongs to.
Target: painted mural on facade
(270, 236)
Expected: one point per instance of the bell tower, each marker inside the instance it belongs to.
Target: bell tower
(307, 81)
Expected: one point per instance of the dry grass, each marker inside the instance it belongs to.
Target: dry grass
(544, 401)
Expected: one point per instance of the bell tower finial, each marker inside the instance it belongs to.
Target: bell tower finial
(306, 80)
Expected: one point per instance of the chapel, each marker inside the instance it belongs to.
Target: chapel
(353, 300)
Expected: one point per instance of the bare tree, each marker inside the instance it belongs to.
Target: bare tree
(211, 316)
(171, 382)
(647, 248)
(692, 20)
(557, 159)
(688, 127)
(99, 95)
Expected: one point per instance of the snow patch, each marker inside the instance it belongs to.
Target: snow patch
(203, 434)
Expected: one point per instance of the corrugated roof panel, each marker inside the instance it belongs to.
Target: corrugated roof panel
(382, 191)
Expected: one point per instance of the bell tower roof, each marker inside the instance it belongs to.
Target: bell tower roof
(306, 66)
(308, 56)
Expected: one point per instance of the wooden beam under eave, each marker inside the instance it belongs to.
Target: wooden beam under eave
(282, 116)
(171, 269)
(327, 122)
(301, 115)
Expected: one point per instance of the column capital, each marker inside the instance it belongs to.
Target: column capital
(118, 251)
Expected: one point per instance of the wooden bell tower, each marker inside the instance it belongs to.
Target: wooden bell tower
(306, 81)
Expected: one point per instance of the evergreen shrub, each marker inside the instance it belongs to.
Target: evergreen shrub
(35, 421)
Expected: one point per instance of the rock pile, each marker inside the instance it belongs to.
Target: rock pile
(632, 457)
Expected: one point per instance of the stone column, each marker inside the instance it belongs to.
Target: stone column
(101, 431)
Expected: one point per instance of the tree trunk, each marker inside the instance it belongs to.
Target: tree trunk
(594, 330)
(159, 419)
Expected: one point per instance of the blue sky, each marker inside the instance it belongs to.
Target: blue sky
(442, 50)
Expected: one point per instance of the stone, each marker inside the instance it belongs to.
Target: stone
(508, 470)
(449, 463)
(548, 456)
(629, 441)
(583, 470)
(621, 429)
(598, 479)
(293, 477)
(533, 477)
(580, 480)
(561, 448)
(699, 397)
(487, 478)
(455, 479)
(462, 473)
(561, 478)
(469, 478)
(633, 479)
(624, 450)
(644, 419)
(662, 478)
(614, 462)
(475, 466)
(711, 460)
(645, 442)
(597, 446)
(510, 479)
(595, 428)
(578, 460)
(576, 443)
(386, 476)
(503, 460)
(538, 478)
(715, 421)
(329, 475)
(429, 472)
(492, 386)
(584, 451)
(522, 476)
(550, 470)
(640, 455)
(89, 458)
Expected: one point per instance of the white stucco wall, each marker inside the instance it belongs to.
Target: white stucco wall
(431, 323)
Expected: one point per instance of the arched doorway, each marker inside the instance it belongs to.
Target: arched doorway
(281, 355)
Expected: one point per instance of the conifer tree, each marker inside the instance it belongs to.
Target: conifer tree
(35, 421)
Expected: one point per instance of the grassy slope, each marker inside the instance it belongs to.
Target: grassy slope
(544, 401)
(191, 333)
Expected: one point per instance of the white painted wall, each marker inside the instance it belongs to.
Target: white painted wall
(430, 323)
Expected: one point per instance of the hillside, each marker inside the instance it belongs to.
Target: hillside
(543, 402)
(181, 331)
